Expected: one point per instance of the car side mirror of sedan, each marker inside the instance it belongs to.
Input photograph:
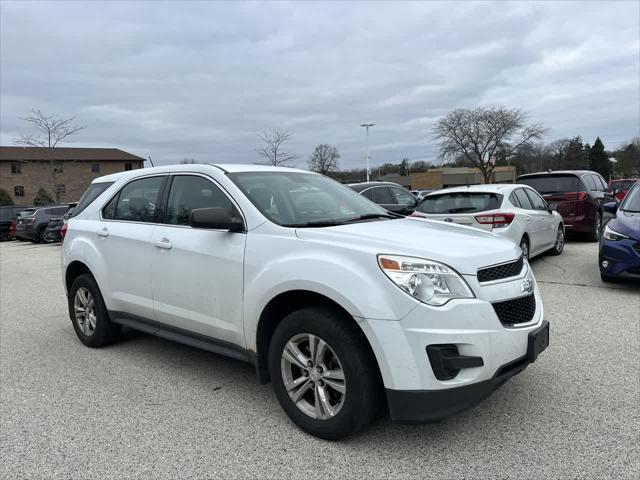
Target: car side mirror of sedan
(552, 207)
(217, 218)
(610, 207)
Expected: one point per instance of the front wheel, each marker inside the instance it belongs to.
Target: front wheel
(323, 373)
(524, 246)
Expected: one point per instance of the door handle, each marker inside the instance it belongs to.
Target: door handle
(103, 232)
(165, 244)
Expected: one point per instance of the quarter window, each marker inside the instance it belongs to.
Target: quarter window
(379, 195)
(588, 180)
(189, 192)
(523, 199)
(136, 202)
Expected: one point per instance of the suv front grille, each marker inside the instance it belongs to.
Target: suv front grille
(518, 310)
(498, 272)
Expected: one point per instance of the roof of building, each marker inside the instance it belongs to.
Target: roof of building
(64, 153)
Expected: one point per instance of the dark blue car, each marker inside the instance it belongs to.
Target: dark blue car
(620, 242)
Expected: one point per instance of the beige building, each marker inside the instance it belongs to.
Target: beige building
(67, 171)
(437, 178)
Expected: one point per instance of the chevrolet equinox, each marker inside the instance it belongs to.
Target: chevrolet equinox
(349, 310)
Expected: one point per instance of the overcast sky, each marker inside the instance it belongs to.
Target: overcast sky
(202, 79)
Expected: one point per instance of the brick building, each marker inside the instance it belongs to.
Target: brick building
(24, 170)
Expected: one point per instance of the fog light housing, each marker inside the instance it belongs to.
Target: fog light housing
(605, 264)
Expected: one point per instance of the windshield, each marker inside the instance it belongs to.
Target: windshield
(90, 194)
(296, 199)
(631, 202)
(460, 202)
(553, 183)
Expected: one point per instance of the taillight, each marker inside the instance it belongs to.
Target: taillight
(63, 232)
(576, 195)
(496, 220)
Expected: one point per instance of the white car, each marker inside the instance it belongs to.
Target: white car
(513, 211)
(344, 307)
(420, 194)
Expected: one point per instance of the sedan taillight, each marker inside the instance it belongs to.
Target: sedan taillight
(496, 220)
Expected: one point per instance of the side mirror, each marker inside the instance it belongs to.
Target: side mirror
(610, 207)
(552, 207)
(217, 218)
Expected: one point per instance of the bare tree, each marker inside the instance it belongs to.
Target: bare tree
(191, 161)
(272, 148)
(50, 131)
(324, 159)
(484, 134)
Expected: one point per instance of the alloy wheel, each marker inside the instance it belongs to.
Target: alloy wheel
(84, 307)
(559, 240)
(524, 246)
(313, 376)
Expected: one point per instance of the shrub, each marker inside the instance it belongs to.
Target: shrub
(42, 198)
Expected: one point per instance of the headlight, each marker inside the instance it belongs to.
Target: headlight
(612, 234)
(430, 282)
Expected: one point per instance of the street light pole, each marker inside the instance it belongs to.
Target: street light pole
(367, 125)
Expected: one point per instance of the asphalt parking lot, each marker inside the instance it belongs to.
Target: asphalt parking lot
(146, 407)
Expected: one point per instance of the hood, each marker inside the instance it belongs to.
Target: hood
(626, 223)
(465, 249)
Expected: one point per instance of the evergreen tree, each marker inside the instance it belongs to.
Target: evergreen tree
(598, 159)
(5, 198)
(42, 198)
(574, 157)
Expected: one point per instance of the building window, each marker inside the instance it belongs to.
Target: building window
(128, 166)
(16, 167)
(18, 191)
(95, 167)
(58, 167)
(60, 188)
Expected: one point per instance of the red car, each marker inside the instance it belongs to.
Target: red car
(579, 196)
(621, 186)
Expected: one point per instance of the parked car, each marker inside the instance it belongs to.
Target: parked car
(621, 186)
(8, 214)
(331, 297)
(619, 255)
(52, 233)
(390, 196)
(420, 194)
(32, 222)
(516, 212)
(579, 195)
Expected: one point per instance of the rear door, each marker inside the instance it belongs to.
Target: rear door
(544, 223)
(198, 272)
(124, 239)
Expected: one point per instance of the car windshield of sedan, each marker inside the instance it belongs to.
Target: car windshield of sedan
(631, 202)
(296, 199)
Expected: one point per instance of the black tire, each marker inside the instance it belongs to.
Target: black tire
(558, 247)
(40, 236)
(524, 246)
(594, 234)
(105, 332)
(364, 393)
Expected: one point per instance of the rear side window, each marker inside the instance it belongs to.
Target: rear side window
(189, 192)
(536, 200)
(588, 180)
(136, 202)
(379, 195)
(602, 185)
(460, 202)
(523, 199)
(89, 195)
(56, 211)
(553, 184)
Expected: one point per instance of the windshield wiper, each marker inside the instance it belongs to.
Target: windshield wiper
(370, 216)
(334, 223)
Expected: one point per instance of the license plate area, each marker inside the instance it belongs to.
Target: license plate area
(538, 341)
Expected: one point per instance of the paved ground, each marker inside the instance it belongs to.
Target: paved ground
(150, 408)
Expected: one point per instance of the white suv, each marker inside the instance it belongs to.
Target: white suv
(346, 308)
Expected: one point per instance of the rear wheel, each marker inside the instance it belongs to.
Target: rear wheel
(524, 246)
(559, 245)
(323, 374)
(89, 314)
(594, 234)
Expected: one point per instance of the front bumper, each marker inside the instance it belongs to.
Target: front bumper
(622, 257)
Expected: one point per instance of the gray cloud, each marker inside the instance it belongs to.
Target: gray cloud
(202, 79)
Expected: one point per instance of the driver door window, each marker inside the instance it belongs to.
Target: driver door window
(189, 192)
